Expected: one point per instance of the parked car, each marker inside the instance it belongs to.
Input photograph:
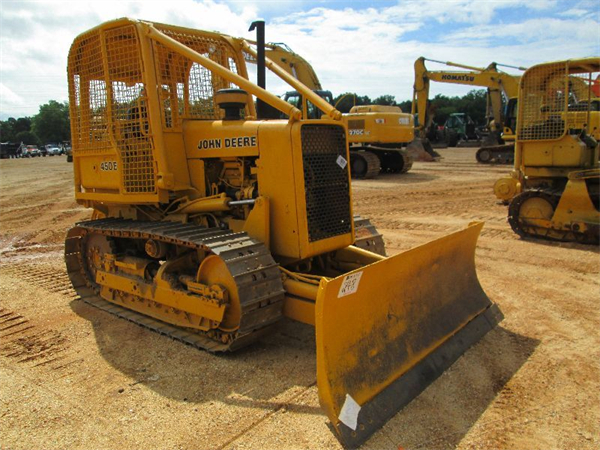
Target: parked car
(53, 151)
(31, 151)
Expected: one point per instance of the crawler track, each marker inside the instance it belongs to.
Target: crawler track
(364, 164)
(496, 154)
(527, 230)
(255, 273)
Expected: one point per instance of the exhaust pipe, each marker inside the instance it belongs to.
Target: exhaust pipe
(261, 72)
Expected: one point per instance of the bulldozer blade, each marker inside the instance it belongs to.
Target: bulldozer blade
(384, 332)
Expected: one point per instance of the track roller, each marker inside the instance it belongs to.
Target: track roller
(364, 164)
(213, 289)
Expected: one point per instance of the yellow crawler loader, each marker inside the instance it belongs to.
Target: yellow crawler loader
(210, 225)
(554, 190)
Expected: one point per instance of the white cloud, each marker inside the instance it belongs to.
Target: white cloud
(9, 97)
(574, 13)
(366, 51)
(370, 51)
(36, 36)
(538, 30)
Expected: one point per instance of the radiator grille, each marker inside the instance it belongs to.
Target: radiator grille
(326, 181)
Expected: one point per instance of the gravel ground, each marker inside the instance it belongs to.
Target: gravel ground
(75, 377)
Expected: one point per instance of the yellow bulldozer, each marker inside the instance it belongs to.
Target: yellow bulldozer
(554, 190)
(210, 225)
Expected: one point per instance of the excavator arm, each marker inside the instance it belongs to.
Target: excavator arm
(499, 84)
(294, 70)
(293, 64)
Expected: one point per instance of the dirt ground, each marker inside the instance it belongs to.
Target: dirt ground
(75, 377)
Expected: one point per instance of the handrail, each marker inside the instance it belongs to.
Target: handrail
(283, 106)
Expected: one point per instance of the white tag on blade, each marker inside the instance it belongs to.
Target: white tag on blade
(349, 413)
(350, 284)
(341, 161)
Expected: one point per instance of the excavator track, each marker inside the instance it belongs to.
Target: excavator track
(496, 154)
(398, 161)
(364, 164)
(256, 275)
(551, 197)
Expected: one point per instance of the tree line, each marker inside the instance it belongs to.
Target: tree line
(52, 124)
(473, 104)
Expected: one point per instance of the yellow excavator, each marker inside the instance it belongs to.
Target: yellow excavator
(378, 134)
(502, 89)
(210, 225)
(554, 190)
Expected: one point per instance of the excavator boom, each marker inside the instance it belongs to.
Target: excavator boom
(501, 87)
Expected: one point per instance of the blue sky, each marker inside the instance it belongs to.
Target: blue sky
(367, 47)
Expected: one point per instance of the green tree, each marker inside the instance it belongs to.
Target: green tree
(52, 124)
(344, 102)
(9, 129)
(405, 106)
(27, 138)
(474, 104)
(23, 124)
(387, 100)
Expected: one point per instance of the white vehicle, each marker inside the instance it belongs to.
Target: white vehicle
(31, 151)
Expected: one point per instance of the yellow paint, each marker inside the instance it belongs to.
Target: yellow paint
(366, 340)
(193, 304)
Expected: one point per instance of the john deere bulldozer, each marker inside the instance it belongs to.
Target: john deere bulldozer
(554, 190)
(210, 225)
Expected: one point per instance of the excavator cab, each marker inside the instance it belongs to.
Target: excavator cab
(311, 111)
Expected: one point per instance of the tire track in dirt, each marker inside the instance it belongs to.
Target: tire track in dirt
(49, 278)
(44, 351)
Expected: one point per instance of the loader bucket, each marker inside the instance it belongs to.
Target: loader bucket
(421, 150)
(385, 331)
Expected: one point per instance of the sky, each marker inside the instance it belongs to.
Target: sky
(367, 47)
